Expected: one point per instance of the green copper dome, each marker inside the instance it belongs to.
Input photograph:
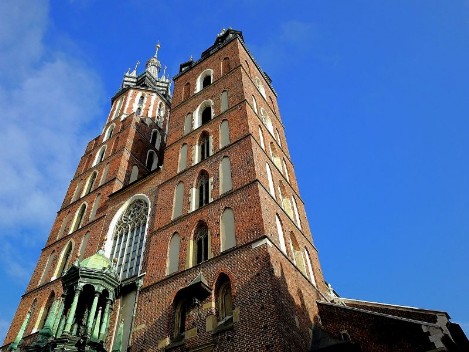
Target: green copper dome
(97, 261)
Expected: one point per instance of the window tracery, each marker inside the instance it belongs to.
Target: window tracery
(129, 237)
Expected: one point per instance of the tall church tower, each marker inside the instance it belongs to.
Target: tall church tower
(185, 233)
(230, 257)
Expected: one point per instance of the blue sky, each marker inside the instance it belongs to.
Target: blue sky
(373, 95)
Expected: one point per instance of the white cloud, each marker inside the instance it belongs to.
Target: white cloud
(22, 26)
(47, 99)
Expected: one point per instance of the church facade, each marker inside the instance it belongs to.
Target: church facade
(183, 229)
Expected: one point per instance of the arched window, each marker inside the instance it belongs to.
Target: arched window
(139, 111)
(65, 260)
(140, 101)
(203, 189)
(224, 299)
(178, 200)
(205, 79)
(310, 267)
(187, 123)
(90, 183)
(269, 179)
(224, 101)
(203, 113)
(182, 162)
(225, 65)
(186, 92)
(100, 155)
(201, 244)
(46, 310)
(224, 133)
(281, 237)
(254, 104)
(152, 160)
(95, 207)
(129, 237)
(206, 115)
(259, 86)
(133, 174)
(275, 156)
(227, 229)
(261, 138)
(79, 217)
(45, 272)
(226, 183)
(204, 146)
(109, 132)
(84, 243)
(173, 254)
(297, 253)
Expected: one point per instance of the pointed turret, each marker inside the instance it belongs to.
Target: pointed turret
(130, 78)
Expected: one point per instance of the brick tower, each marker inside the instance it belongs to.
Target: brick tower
(186, 233)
